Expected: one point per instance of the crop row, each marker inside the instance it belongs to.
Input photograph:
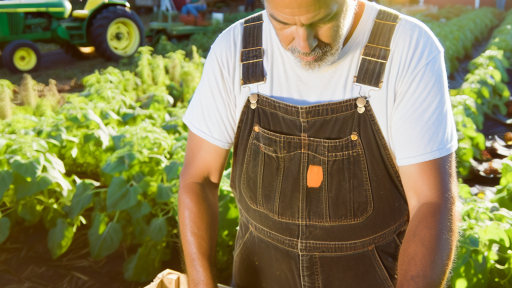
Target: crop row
(108, 157)
(459, 34)
(484, 254)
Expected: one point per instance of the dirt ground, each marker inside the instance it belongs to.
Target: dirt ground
(26, 262)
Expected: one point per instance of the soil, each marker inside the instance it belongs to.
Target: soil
(25, 261)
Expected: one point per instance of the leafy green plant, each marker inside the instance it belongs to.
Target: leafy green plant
(109, 158)
(484, 252)
(501, 38)
(5, 101)
(471, 142)
(459, 34)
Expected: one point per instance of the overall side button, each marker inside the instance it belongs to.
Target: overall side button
(360, 104)
(253, 99)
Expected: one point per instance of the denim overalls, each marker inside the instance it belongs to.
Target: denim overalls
(321, 201)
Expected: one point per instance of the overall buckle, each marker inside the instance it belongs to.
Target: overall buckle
(253, 92)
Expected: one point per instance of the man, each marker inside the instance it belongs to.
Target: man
(332, 191)
(193, 7)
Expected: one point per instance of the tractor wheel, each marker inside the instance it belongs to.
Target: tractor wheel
(116, 33)
(21, 56)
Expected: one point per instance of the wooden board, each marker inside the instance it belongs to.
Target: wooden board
(172, 279)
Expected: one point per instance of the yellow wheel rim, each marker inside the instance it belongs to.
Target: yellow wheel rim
(25, 59)
(123, 36)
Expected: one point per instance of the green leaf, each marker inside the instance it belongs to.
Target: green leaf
(56, 163)
(29, 169)
(29, 211)
(158, 229)
(60, 238)
(495, 232)
(5, 181)
(5, 227)
(140, 229)
(104, 238)
(163, 193)
(40, 145)
(81, 199)
(464, 191)
(26, 188)
(496, 75)
(140, 209)
(57, 177)
(50, 216)
(120, 196)
(171, 170)
(122, 163)
(145, 264)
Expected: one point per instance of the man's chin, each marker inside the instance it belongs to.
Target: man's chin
(313, 63)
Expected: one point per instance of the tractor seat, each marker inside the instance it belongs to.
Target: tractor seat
(82, 14)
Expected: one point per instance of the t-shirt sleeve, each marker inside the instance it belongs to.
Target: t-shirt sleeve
(211, 112)
(422, 121)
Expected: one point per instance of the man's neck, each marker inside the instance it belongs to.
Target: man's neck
(357, 17)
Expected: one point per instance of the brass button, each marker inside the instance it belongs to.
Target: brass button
(253, 105)
(256, 128)
(253, 98)
(360, 110)
(360, 102)
(354, 136)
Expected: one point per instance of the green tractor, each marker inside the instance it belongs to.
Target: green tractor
(110, 26)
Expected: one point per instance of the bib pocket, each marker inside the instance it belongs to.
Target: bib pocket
(348, 186)
(262, 174)
(332, 175)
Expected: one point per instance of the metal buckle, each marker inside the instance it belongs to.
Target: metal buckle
(364, 90)
(253, 89)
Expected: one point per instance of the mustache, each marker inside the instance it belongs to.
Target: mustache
(317, 51)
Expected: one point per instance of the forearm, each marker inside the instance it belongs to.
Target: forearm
(428, 247)
(198, 220)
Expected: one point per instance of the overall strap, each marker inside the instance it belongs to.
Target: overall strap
(251, 57)
(376, 52)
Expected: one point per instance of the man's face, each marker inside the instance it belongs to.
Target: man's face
(312, 30)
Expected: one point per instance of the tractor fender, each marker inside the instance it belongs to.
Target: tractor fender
(61, 34)
(95, 11)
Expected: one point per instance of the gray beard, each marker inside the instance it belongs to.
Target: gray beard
(327, 54)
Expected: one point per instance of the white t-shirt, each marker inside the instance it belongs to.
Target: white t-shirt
(413, 107)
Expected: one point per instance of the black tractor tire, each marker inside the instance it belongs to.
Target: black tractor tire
(10, 50)
(99, 28)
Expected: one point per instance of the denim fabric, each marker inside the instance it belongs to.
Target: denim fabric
(251, 57)
(193, 9)
(344, 232)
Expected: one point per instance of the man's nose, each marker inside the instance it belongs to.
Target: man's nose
(305, 39)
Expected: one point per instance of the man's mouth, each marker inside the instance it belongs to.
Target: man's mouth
(310, 58)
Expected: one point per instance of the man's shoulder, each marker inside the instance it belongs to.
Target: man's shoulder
(413, 34)
(230, 40)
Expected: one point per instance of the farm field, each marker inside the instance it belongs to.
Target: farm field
(89, 164)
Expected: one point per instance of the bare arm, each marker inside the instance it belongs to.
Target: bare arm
(199, 208)
(429, 244)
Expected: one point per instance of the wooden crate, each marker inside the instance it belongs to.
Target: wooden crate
(172, 279)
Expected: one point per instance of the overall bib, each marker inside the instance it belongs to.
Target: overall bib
(321, 201)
